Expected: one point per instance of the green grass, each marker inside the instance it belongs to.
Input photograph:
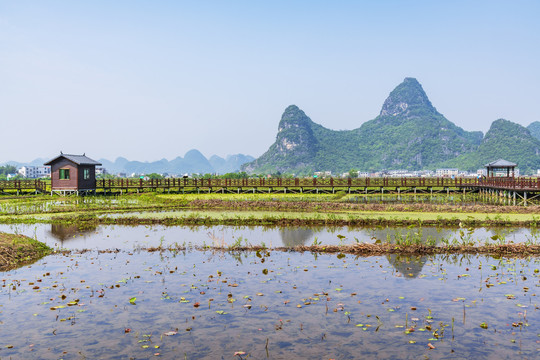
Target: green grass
(246, 209)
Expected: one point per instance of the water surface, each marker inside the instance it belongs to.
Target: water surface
(277, 305)
(143, 236)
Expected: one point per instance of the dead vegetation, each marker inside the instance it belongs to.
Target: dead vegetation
(310, 206)
(17, 250)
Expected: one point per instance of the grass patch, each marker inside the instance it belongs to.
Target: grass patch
(254, 209)
(17, 250)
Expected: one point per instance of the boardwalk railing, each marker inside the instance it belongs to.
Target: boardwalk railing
(21, 185)
(280, 182)
(518, 184)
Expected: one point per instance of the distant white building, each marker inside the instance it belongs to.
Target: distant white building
(447, 172)
(101, 171)
(323, 173)
(481, 172)
(34, 172)
(398, 173)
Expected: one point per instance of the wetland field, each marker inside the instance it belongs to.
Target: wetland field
(270, 277)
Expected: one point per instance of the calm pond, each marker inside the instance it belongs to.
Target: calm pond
(275, 305)
(135, 237)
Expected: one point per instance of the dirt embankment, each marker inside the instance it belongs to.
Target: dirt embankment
(17, 250)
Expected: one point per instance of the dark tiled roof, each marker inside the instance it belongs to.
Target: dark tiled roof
(500, 163)
(77, 159)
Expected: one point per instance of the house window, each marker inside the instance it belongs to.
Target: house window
(86, 174)
(64, 174)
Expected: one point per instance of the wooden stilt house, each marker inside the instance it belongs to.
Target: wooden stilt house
(72, 174)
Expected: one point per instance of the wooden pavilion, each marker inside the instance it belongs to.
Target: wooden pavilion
(499, 168)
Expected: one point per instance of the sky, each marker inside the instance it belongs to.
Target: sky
(148, 80)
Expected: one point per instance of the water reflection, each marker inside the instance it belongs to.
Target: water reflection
(147, 304)
(295, 236)
(131, 237)
(409, 266)
(67, 232)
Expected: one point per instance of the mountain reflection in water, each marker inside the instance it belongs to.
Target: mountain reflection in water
(409, 266)
(295, 236)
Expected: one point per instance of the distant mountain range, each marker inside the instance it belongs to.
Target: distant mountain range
(409, 133)
(192, 162)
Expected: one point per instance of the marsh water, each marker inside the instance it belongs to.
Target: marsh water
(277, 305)
(103, 237)
(129, 303)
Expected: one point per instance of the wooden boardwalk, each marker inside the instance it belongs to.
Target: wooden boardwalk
(296, 185)
(327, 185)
(520, 189)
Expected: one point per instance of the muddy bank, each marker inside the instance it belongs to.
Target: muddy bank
(361, 249)
(17, 250)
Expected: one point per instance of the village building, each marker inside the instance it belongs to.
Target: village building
(33, 172)
(73, 174)
(447, 172)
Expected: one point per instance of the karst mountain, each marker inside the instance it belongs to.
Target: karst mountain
(409, 133)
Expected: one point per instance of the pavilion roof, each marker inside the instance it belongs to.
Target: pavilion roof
(501, 163)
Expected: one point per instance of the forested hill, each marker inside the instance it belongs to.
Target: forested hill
(504, 140)
(534, 128)
(409, 133)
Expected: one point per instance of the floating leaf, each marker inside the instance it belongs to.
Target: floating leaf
(132, 301)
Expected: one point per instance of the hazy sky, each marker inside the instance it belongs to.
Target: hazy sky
(153, 79)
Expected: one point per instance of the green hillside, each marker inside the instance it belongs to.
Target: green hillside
(409, 133)
(504, 140)
(534, 128)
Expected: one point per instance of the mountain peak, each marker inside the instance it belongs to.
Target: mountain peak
(409, 94)
(505, 129)
(293, 117)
